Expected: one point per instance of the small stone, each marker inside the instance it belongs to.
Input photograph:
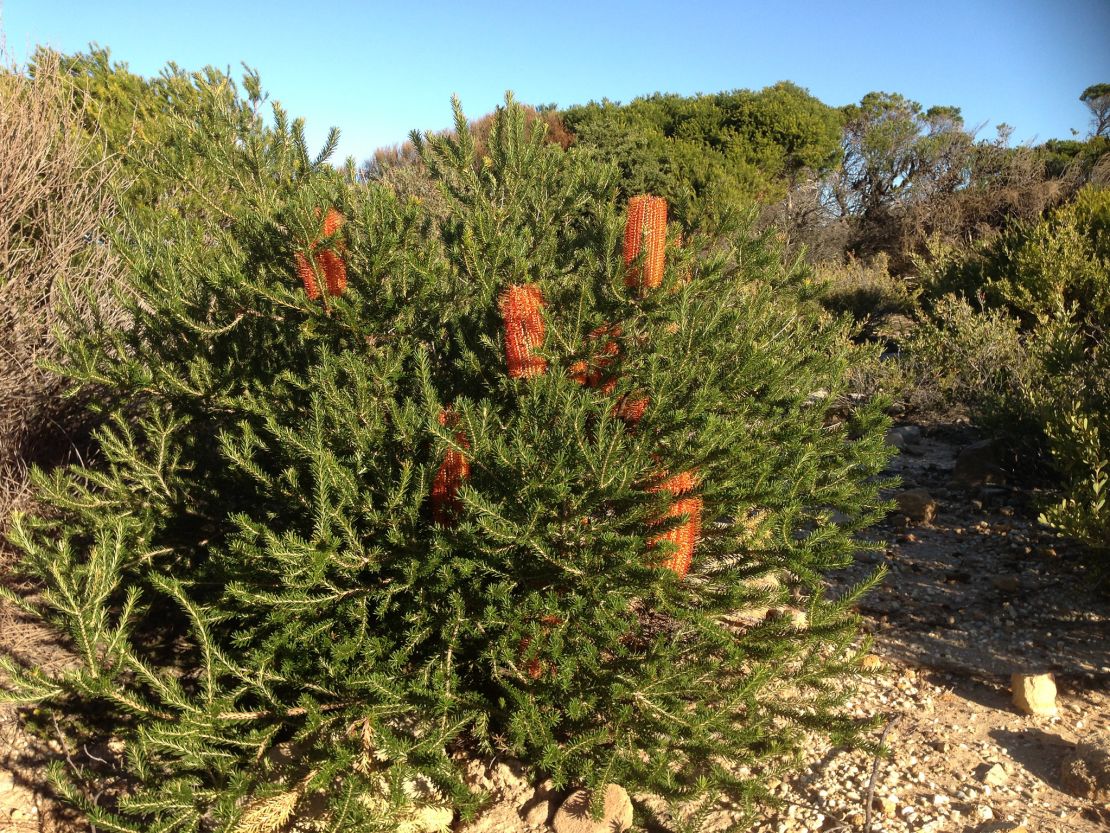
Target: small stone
(433, 819)
(797, 618)
(1035, 693)
(977, 465)
(574, 814)
(984, 813)
(917, 505)
(7, 782)
(903, 436)
(994, 775)
(1007, 584)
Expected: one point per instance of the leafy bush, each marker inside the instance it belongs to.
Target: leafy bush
(1035, 360)
(964, 354)
(710, 155)
(866, 291)
(443, 504)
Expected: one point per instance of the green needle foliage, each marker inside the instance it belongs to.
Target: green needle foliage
(266, 619)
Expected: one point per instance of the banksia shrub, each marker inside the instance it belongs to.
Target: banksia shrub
(594, 372)
(645, 233)
(307, 275)
(261, 597)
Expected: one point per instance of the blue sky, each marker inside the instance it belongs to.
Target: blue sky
(378, 70)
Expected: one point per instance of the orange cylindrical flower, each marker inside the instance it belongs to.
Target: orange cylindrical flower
(307, 275)
(335, 271)
(685, 535)
(328, 261)
(454, 469)
(522, 313)
(333, 222)
(646, 232)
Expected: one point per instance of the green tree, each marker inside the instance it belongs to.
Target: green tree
(1097, 99)
(712, 154)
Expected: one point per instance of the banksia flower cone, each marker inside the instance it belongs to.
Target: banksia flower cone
(631, 408)
(333, 222)
(454, 469)
(685, 535)
(522, 312)
(335, 271)
(645, 231)
(307, 275)
(329, 261)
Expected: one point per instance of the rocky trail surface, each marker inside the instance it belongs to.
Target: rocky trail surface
(977, 591)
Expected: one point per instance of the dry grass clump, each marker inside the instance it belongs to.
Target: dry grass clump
(53, 202)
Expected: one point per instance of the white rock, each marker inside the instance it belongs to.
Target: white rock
(433, 819)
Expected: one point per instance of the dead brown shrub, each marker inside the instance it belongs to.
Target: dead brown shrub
(54, 200)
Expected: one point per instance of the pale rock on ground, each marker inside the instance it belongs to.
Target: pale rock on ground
(916, 505)
(1034, 693)
(574, 814)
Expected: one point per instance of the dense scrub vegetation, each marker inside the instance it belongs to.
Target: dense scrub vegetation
(467, 453)
(1040, 291)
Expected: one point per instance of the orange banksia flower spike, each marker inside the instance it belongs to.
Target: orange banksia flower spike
(454, 469)
(522, 313)
(685, 535)
(333, 222)
(307, 275)
(645, 232)
(328, 261)
(335, 271)
(631, 408)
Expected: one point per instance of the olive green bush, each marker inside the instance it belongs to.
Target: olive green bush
(1033, 358)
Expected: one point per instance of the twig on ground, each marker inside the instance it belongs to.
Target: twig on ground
(874, 773)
